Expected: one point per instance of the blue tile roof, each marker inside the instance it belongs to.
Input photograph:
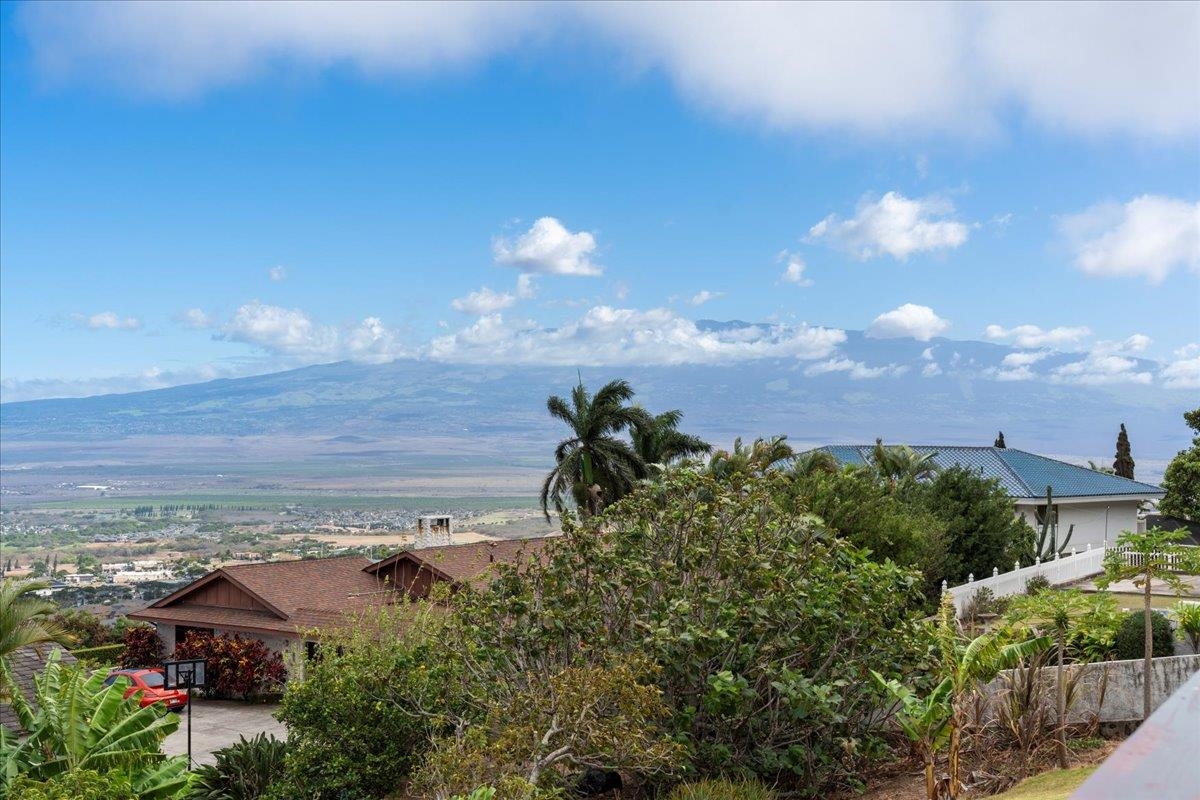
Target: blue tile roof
(1021, 474)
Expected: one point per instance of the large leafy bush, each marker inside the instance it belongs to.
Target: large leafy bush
(763, 626)
(366, 708)
(1130, 642)
(84, 784)
(143, 647)
(238, 666)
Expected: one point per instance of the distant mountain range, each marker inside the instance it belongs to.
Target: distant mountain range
(418, 409)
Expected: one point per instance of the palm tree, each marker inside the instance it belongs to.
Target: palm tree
(897, 463)
(813, 462)
(25, 621)
(659, 441)
(594, 466)
(746, 461)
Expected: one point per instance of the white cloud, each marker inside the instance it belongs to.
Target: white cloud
(526, 286)
(894, 225)
(108, 320)
(1033, 336)
(1184, 371)
(703, 296)
(855, 370)
(908, 321)
(548, 247)
(794, 271)
(1098, 369)
(1150, 236)
(13, 390)
(292, 333)
(484, 301)
(1137, 343)
(616, 336)
(878, 68)
(195, 318)
(1017, 366)
(1024, 359)
(277, 273)
(931, 370)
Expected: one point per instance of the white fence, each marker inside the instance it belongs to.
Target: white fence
(1065, 569)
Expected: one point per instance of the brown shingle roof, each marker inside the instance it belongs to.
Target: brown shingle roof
(471, 562)
(306, 595)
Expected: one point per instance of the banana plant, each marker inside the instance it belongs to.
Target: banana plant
(936, 720)
(81, 724)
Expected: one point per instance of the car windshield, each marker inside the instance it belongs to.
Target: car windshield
(153, 679)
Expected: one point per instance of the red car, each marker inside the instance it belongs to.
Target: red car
(151, 684)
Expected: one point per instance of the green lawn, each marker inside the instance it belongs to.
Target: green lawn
(1054, 785)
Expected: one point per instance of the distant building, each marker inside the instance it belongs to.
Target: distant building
(1100, 506)
(79, 578)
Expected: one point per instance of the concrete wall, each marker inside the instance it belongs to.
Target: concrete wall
(1122, 693)
(1089, 520)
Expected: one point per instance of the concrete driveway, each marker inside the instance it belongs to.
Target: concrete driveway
(219, 723)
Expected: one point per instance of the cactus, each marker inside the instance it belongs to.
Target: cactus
(1048, 546)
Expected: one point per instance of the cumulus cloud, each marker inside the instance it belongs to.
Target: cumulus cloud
(878, 68)
(893, 225)
(484, 301)
(619, 336)
(855, 370)
(1033, 336)
(1184, 371)
(1148, 237)
(548, 247)
(908, 321)
(703, 296)
(794, 271)
(293, 334)
(195, 318)
(931, 369)
(277, 273)
(1017, 366)
(1099, 369)
(107, 320)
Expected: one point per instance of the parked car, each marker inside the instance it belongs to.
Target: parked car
(152, 685)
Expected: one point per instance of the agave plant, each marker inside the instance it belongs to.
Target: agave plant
(243, 770)
(81, 724)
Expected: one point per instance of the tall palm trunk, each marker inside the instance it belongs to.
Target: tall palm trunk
(1060, 738)
(1148, 643)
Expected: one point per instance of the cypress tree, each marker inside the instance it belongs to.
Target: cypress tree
(1123, 465)
(1000, 441)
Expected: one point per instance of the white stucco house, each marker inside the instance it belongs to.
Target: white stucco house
(1100, 506)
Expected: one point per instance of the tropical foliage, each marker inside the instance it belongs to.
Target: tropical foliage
(142, 647)
(658, 440)
(1187, 614)
(238, 666)
(594, 466)
(245, 770)
(25, 620)
(1181, 482)
(936, 719)
(1144, 558)
(80, 726)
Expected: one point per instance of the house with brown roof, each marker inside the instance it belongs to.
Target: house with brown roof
(282, 602)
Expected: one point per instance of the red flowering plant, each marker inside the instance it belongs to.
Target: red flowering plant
(143, 648)
(238, 666)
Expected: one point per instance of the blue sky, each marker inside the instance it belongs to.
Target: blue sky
(644, 169)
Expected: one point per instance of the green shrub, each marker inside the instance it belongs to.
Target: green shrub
(243, 771)
(722, 790)
(79, 785)
(103, 655)
(765, 628)
(141, 647)
(1130, 641)
(364, 711)
(1187, 614)
(1036, 584)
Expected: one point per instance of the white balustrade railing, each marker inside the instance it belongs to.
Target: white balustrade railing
(1064, 569)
